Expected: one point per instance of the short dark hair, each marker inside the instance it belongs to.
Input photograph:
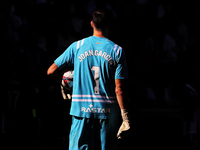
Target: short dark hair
(100, 19)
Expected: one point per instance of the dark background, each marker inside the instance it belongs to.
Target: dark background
(161, 40)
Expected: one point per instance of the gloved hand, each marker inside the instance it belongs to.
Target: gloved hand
(124, 129)
(65, 93)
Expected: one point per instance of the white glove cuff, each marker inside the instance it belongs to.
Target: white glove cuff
(125, 114)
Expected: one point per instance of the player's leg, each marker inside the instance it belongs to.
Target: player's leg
(109, 131)
(75, 133)
(84, 134)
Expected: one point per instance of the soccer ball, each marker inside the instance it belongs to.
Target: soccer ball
(67, 79)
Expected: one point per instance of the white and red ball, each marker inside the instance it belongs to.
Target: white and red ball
(67, 79)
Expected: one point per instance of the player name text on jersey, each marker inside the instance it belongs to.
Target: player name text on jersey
(95, 53)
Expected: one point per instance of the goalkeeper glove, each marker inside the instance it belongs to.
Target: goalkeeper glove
(65, 93)
(124, 129)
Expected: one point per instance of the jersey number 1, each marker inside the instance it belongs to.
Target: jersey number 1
(96, 79)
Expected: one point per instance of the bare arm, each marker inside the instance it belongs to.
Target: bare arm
(122, 98)
(121, 93)
(52, 69)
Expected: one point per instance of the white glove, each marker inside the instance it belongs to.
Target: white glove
(65, 95)
(124, 129)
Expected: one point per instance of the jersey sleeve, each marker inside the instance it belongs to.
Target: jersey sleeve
(67, 57)
(121, 70)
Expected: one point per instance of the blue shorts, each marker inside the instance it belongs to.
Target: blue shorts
(94, 134)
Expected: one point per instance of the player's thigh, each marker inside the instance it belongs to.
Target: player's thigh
(109, 131)
(75, 132)
(84, 134)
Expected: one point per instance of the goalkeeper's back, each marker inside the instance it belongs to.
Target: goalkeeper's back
(97, 63)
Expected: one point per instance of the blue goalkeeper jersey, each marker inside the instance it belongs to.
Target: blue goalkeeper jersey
(97, 63)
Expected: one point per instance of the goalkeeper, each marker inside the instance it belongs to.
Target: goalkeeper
(99, 96)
